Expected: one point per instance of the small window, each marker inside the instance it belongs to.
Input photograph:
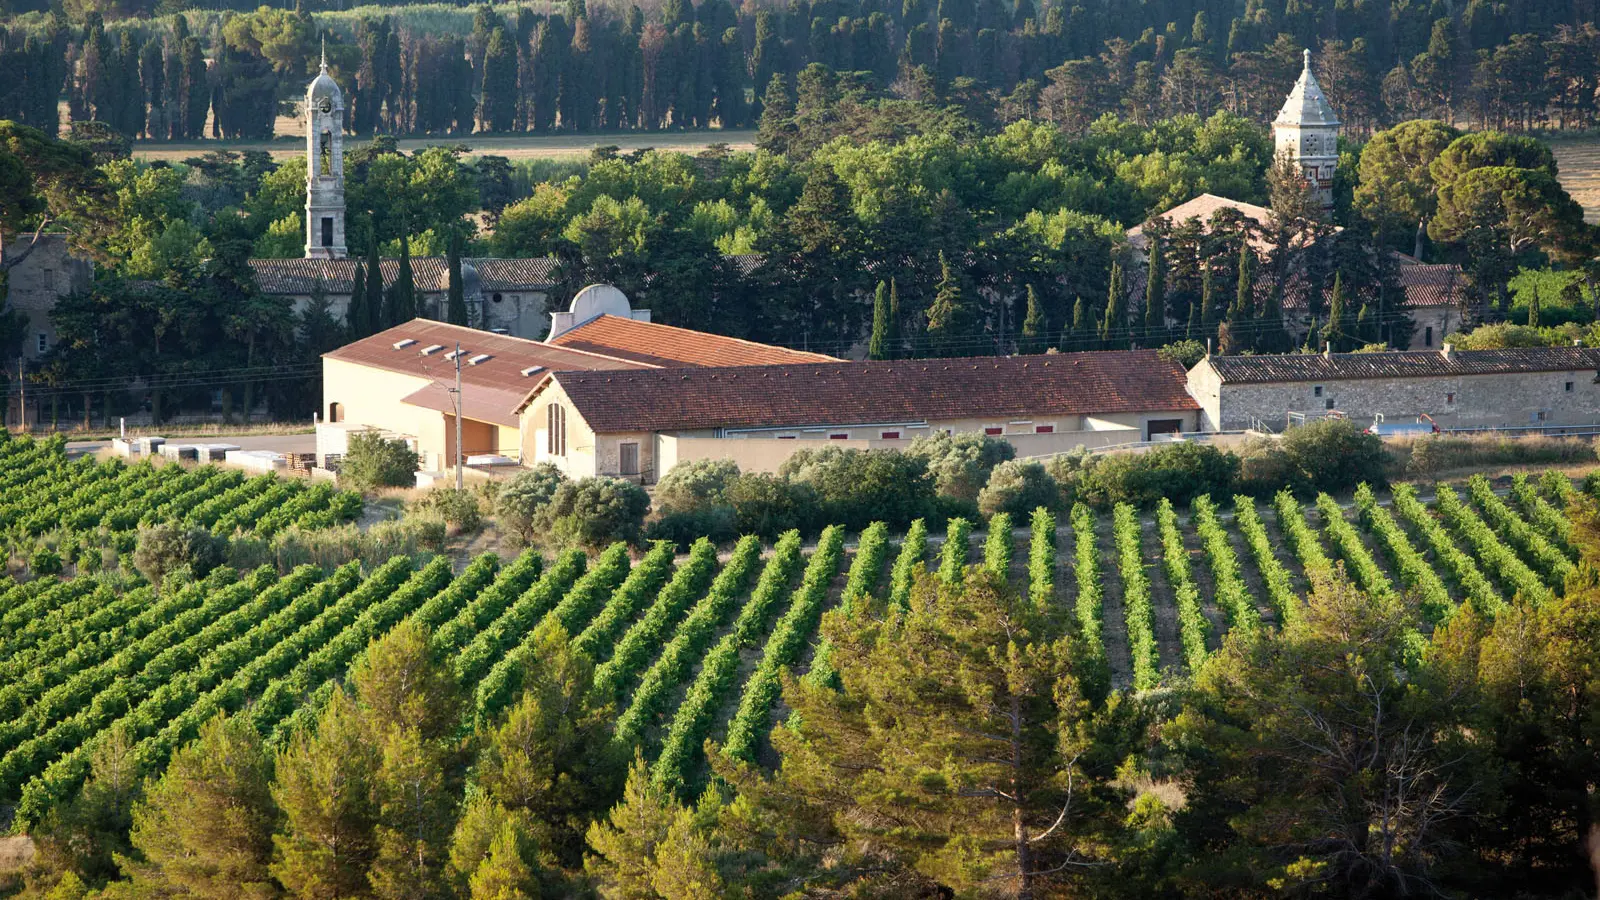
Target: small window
(325, 154)
(1569, 387)
(838, 435)
(498, 298)
(993, 429)
(44, 342)
(1044, 429)
(628, 457)
(1427, 336)
(1316, 391)
(889, 435)
(335, 412)
(556, 429)
(1450, 399)
(327, 231)
(787, 437)
(1327, 404)
(1539, 416)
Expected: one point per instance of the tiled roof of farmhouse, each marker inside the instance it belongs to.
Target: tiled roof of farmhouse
(666, 345)
(1424, 285)
(1412, 364)
(846, 393)
(1203, 208)
(430, 274)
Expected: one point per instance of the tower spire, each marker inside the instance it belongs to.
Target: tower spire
(325, 54)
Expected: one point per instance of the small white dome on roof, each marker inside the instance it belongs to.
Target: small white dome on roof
(599, 300)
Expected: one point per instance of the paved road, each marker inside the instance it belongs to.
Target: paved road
(281, 443)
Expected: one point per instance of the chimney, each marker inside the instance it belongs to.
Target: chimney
(1208, 348)
(1448, 351)
(1327, 351)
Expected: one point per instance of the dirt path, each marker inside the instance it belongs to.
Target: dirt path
(1114, 625)
(1163, 605)
(1250, 571)
(1200, 568)
(1280, 549)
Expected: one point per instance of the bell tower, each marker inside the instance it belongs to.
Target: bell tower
(1307, 131)
(324, 167)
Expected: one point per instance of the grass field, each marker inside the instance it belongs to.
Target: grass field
(1579, 160)
(511, 146)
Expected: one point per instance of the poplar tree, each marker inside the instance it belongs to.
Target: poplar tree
(878, 346)
(1114, 327)
(1155, 297)
(456, 305)
(1033, 326)
(204, 828)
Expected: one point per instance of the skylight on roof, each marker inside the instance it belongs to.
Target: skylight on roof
(532, 370)
(454, 353)
(403, 343)
(481, 357)
(432, 349)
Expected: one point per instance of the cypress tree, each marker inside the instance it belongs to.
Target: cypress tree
(1533, 308)
(1114, 328)
(1364, 327)
(1208, 300)
(1242, 312)
(1196, 329)
(1033, 326)
(1334, 331)
(949, 318)
(355, 312)
(1272, 336)
(893, 342)
(1155, 297)
(456, 307)
(1082, 337)
(405, 292)
(878, 347)
(375, 319)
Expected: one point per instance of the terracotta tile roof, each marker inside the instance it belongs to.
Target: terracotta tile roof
(667, 345)
(854, 393)
(429, 273)
(498, 379)
(480, 404)
(1408, 364)
(1203, 208)
(1424, 284)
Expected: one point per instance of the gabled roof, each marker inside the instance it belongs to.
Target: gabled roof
(1306, 104)
(493, 386)
(1424, 285)
(1203, 208)
(860, 393)
(1410, 364)
(430, 274)
(666, 345)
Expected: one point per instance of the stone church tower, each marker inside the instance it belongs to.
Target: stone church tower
(1307, 131)
(324, 167)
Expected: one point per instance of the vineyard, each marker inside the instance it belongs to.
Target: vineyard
(686, 646)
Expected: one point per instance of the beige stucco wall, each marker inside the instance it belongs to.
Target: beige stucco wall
(371, 396)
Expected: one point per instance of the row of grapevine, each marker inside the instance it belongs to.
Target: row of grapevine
(1091, 601)
(1301, 538)
(1468, 577)
(1227, 582)
(653, 629)
(1416, 573)
(449, 639)
(913, 550)
(1542, 514)
(1137, 610)
(997, 547)
(1192, 624)
(120, 618)
(1042, 558)
(783, 648)
(1360, 565)
(872, 549)
(642, 584)
(1280, 592)
(506, 631)
(953, 554)
(694, 636)
(1496, 556)
(1542, 555)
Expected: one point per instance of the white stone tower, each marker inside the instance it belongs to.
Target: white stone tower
(324, 167)
(1307, 131)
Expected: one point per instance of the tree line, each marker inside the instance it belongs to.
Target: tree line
(688, 66)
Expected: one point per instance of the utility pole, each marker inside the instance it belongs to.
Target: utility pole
(22, 395)
(458, 416)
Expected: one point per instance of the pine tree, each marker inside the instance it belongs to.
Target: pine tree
(1335, 332)
(456, 306)
(324, 786)
(205, 827)
(949, 319)
(1155, 298)
(776, 130)
(878, 346)
(624, 843)
(506, 874)
(1033, 326)
(355, 311)
(1114, 327)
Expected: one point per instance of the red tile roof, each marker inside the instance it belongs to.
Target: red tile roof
(846, 393)
(667, 345)
(1407, 364)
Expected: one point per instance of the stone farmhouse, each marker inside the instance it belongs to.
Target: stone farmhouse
(48, 271)
(1455, 388)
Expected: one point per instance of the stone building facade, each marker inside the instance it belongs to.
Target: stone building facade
(1454, 388)
(49, 271)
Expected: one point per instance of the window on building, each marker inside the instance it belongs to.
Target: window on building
(1450, 399)
(497, 298)
(1328, 403)
(1427, 336)
(1569, 387)
(889, 435)
(327, 231)
(993, 429)
(44, 342)
(1540, 415)
(325, 154)
(1045, 429)
(838, 435)
(556, 429)
(1316, 391)
(787, 437)
(335, 412)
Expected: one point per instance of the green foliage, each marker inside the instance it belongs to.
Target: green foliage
(1139, 614)
(913, 552)
(1017, 486)
(855, 488)
(953, 552)
(593, 513)
(521, 499)
(1334, 455)
(45, 562)
(961, 463)
(1178, 471)
(1232, 594)
(997, 546)
(1041, 557)
(457, 507)
(1415, 571)
(1273, 574)
(165, 549)
(374, 461)
(1192, 626)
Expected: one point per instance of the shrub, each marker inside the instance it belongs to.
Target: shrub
(767, 505)
(456, 507)
(684, 527)
(1018, 487)
(1438, 453)
(960, 464)
(44, 563)
(1186, 353)
(858, 487)
(1265, 468)
(1179, 471)
(374, 461)
(695, 485)
(162, 549)
(522, 497)
(1335, 455)
(594, 513)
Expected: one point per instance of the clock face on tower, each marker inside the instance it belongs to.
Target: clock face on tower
(325, 105)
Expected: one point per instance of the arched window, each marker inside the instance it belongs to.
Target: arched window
(325, 154)
(556, 429)
(335, 412)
